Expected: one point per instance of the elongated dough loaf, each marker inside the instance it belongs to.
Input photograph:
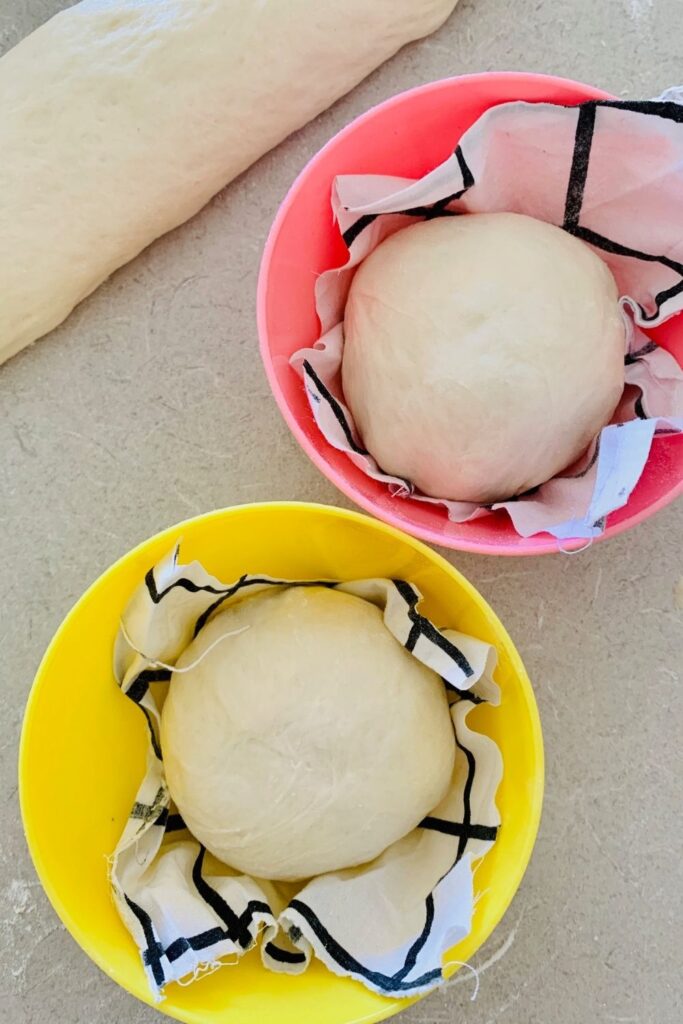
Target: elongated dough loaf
(119, 119)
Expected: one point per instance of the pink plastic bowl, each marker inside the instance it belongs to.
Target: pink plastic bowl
(407, 136)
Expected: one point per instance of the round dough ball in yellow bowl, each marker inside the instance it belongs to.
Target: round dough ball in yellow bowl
(84, 745)
(284, 748)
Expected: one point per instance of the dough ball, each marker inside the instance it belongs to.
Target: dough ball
(309, 742)
(482, 353)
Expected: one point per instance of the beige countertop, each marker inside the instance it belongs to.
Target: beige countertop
(139, 411)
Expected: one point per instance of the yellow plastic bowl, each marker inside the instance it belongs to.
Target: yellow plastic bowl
(83, 750)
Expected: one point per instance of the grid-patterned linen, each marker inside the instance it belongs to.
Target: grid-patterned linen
(186, 911)
(609, 172)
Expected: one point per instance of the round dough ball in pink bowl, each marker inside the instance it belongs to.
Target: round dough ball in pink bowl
(468, 317)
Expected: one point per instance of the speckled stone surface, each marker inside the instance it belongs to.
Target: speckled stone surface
(139, 411)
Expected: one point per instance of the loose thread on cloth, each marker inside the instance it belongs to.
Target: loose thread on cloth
(110, 860)
(141, 863)
(458, 979)
(205, 970)
(473, 970)
(155, 663)
(575, 551)
(478, 896)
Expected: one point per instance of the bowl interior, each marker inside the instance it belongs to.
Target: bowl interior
(407, 136)
(83, 750)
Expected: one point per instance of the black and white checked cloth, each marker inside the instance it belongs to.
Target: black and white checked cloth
(186, 912)
(609, 172)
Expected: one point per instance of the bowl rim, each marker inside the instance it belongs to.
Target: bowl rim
(539, 544)
(510, 882)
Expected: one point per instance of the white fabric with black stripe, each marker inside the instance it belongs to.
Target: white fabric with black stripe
(611, 173)
(187, 912)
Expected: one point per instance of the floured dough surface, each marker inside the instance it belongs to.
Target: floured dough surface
(482, 353)
(309, 742)
(119, 119)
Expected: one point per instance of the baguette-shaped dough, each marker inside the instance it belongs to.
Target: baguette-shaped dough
(119, 119)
